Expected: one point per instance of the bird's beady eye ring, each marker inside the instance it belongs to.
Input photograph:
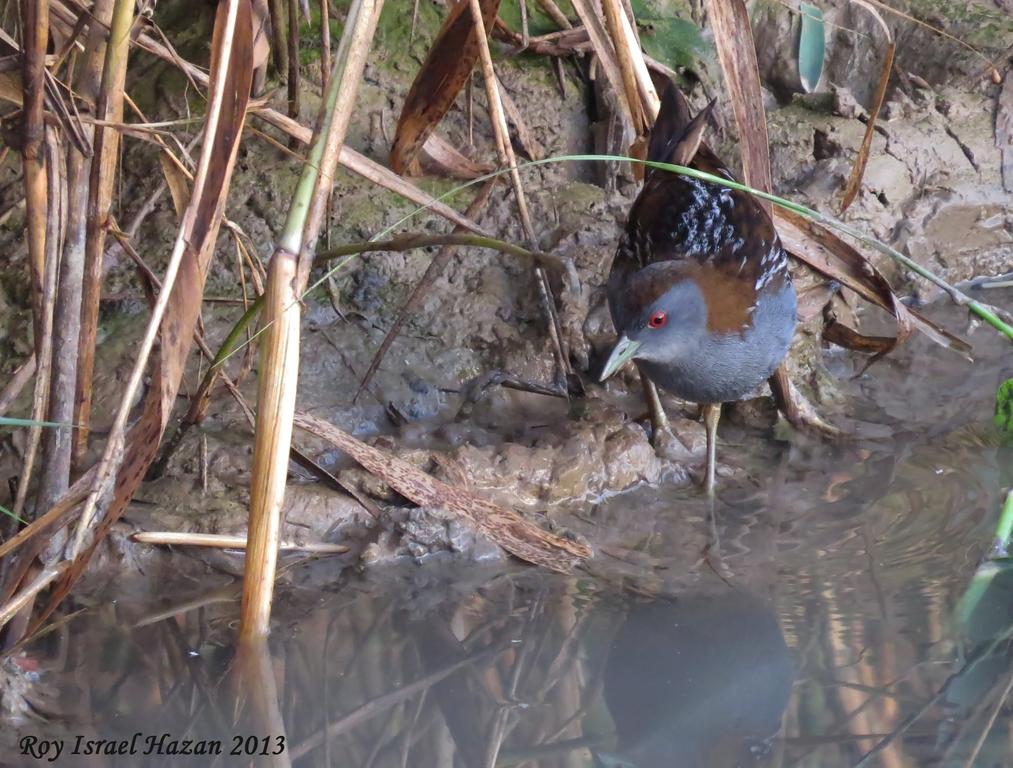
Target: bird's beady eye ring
(658, 320)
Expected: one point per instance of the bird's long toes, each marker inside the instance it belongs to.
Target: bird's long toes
(668, 446)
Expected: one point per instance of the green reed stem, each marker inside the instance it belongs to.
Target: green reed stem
(1004, 529)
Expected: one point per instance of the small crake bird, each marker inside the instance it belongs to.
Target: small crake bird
(700, 292)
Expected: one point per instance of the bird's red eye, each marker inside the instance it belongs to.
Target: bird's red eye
(658, 320)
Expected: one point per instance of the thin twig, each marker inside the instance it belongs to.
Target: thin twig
(434, 270)
(506, 156)
(13, 388)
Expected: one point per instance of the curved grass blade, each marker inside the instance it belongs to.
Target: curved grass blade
(5, 511)
(10, 421)
(938, 335)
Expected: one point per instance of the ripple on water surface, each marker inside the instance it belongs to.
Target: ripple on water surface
(809, 621)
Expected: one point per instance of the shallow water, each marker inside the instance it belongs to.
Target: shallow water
(809, 621)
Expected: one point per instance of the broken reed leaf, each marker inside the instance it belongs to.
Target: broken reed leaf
(823, 251)
(858, 169)
(854, 183)
(447, 67)
(1004, 407)
(811, 47)
(443, 159)
(827, 254)
(180, 300)
(843, 335)
(517, 535)
(177, 181)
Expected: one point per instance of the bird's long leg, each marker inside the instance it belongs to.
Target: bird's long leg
(711, 416)
(659, 419)
(666, 443)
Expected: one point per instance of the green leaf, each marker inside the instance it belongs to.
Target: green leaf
(810, 47)
(1004, 407)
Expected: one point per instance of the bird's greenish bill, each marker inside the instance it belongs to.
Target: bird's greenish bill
(624, 351)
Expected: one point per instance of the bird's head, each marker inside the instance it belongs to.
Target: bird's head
(657, 327)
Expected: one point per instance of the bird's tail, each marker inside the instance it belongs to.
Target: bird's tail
(675, 137)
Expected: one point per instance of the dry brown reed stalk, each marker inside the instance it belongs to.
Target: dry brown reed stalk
(109, 107)
(59, 443)
(733, 37)
(553, 12)
(293, 59)
(279, 49)
(615, 20)
(35, 38)
(325, 43)
(127, 458)
(630, 42)
(606, 56)
(287, 275)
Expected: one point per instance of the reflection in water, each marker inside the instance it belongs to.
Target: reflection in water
(828, 640)
(520, 668)
(697, 682)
